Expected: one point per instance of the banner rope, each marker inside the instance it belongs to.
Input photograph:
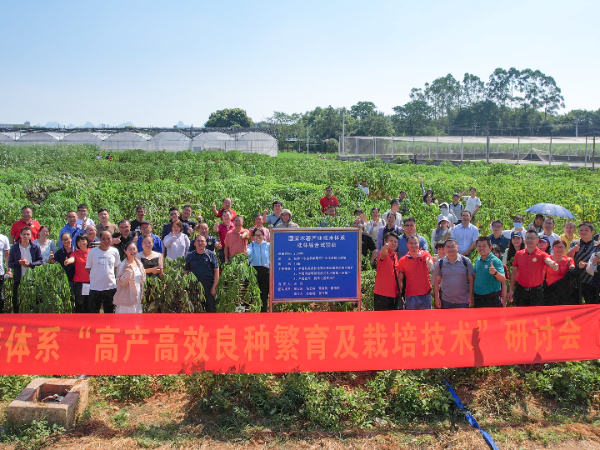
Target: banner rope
(486, 436)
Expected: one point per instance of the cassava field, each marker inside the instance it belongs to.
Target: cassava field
(536, 406)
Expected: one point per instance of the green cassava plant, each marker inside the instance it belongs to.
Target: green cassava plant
(237, 289)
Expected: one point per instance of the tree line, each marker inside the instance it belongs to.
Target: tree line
(512, 102)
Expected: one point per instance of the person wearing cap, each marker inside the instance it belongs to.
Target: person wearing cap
(527, 279)
(328, 199)
(466, 234)
(286, 220)
(497, 237)
(389, 227)
(146, 230)
(456, 207)
(544, 245)
(445, 212)
(394, 208)
(442, 232)
(548, 232)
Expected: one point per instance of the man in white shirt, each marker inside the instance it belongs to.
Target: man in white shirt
(473, 202)
(82, 219)
(101, 264)
(548, 232)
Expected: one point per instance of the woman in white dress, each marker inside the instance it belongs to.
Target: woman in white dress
(130, 283)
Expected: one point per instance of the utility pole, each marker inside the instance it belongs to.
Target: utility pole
(307, 129)
(343, 146)
(593, 151)
(576, 127)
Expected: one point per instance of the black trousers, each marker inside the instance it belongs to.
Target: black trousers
(101, 299)
(1, 294)
(211, 303)
(589, 294)
(382, 303)
(533, 297)
(81, 301)
(487, 301)
(15, 299)
(262, 276)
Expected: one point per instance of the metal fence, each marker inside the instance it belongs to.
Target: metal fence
(460, 148)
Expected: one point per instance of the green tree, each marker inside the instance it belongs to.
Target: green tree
(363, 109)
(375, 125)
(225, 118)
(413, 119)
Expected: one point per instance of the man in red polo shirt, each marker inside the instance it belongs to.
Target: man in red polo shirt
(386, 283)
(329, 199)
(414, 270)
(26, 221)
(528, 274)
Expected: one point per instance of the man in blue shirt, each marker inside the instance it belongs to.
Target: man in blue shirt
(410, 228)
(70, 227)
(204, 265)
(497, 237)
(146, 229)
(466, 234)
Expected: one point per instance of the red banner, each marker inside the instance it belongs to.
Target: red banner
(95, 344)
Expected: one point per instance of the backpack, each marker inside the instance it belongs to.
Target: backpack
(464, 261)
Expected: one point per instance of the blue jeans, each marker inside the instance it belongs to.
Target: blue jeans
(418, 301)
(448, 305)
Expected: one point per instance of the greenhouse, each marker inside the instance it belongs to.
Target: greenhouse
(170, 141)
(85, 137)
(47, 138)
(257, 142)
(7, 138)
(126, 140)
(252, 142)
(212, 141)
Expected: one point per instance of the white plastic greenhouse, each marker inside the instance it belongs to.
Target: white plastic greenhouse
(170, 141)
(84, 137)
(7, 139)
(257, 142)
(252, 142)
(212, 141)
(126, 140)
(47, 138)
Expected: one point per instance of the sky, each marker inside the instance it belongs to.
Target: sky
(156, 63)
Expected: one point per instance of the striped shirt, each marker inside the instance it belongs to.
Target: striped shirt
(585, 251)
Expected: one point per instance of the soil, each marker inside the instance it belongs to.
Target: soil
(164, 421)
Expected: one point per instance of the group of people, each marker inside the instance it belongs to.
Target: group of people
(107, 264)
(546, 269)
